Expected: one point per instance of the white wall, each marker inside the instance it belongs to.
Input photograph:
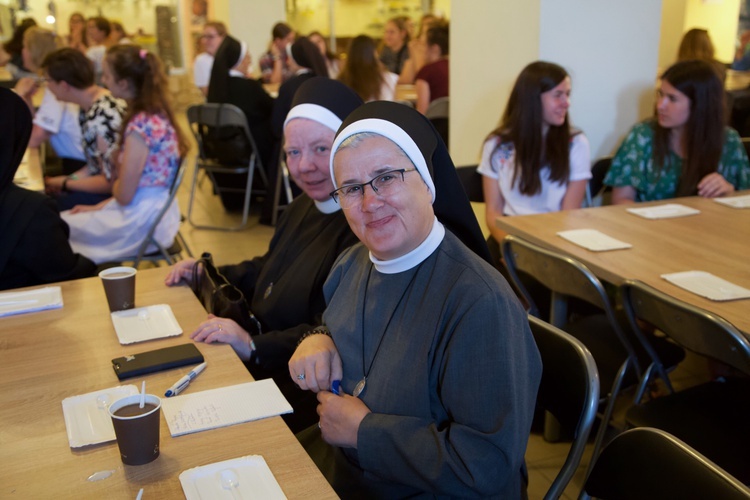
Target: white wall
(611, 51)
(491, 41)
(252, 22)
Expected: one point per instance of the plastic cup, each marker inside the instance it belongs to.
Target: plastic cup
(137, 430)
(119, 286)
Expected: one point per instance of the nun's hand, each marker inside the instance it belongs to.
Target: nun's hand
(226, 331)
(181, 271)
(316, 363)
(714, 185)
(340, 417)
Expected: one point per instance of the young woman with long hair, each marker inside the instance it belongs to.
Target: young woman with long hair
(685, 149)
(151, 148)
(365, 74)
(534, 161)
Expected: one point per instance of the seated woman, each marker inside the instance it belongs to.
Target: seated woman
(149, 157)
(284, 287)
(395, 50)
(232, 58)
(54, 121)
(274, 64)
(696, 44)
(534, 162)
(364, 73)
(70, 78)
(417, 50)
(427, 337)
(686, 149)
(34, 247)
(332, 60)
(432, 80)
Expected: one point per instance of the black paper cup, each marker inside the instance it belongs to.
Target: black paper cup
(119, 285)
(137, 434)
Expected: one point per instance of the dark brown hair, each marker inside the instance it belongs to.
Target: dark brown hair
(14, 46)
(145, 75)
(70, 66)
(102, 24)
(280, 30)
(703, 134)
(363, 72)
(438, 34)
(522, 123)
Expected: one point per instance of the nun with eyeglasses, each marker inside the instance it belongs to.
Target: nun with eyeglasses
(425, 369)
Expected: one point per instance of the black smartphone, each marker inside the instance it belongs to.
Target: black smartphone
(156, 360)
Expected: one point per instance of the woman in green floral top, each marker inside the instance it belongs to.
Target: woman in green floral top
(685, 149)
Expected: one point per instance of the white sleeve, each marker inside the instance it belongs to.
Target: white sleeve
(202, 70)
(50, 113)
(580, 158)
(485, 165)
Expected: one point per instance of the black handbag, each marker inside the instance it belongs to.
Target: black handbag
(221, 298)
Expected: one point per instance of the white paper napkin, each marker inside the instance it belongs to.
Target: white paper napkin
(666, 211)
(145, 323)
(40, 299)
(249, 476)
(707, 285)
(593, 240)
(735, 201)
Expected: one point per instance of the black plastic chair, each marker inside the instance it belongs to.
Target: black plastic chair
(569, 390)
(471, 180)
(619, 357)
(595, 187)
(711, 417)
(225, 146)
(645, 463)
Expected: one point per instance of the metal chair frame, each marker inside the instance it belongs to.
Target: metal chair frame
(162, 253)
(566, 277)
(223, 115)
(569, 390)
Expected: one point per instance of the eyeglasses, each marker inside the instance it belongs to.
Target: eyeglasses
(384, 184)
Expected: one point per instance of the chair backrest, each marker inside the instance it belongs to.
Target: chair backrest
(222, 133)
(691, 327)
(439, 108)
(471, 180)
(569, 390)
(595, 186)
(149, 239)
(646, 463)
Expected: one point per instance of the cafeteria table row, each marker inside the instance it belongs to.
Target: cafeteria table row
(715, 240)
(51, 355)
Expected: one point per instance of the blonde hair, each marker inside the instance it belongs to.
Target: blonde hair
(40, 42)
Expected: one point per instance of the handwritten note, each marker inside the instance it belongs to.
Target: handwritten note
(225, 406)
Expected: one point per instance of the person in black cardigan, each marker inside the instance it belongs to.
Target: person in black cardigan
(34, 246)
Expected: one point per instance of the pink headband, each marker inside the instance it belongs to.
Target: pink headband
(143, 53)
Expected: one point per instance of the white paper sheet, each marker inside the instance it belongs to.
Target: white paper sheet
(593, 240)
(145, 323)
(735, 201)
(666, 211)
(39, 299)
(249, 476)
(707, 285)
(87, 420)
(224, 406)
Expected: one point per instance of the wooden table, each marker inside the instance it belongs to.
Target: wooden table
(717, 241)
(29, 174)
(50, 355)
(406, 92)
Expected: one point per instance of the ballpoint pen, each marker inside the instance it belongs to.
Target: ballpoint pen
(180, 385)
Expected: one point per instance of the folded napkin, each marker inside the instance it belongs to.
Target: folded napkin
(39, 299)
(593, 240)
(667, 211)
(249, 477)
(735, 201)
(707, 285)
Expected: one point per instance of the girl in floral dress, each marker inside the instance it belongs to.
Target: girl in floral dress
(151, 148)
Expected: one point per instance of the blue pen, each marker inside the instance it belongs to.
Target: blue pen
(180, 385)
(336, 387)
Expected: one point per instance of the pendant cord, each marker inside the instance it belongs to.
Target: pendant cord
(385, 331)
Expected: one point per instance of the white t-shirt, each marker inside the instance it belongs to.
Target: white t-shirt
(388, 89)
(202, 69)
(498, 162)
(61, 120)
(96, 54)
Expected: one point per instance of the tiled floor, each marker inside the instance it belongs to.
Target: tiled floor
(543, 459)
